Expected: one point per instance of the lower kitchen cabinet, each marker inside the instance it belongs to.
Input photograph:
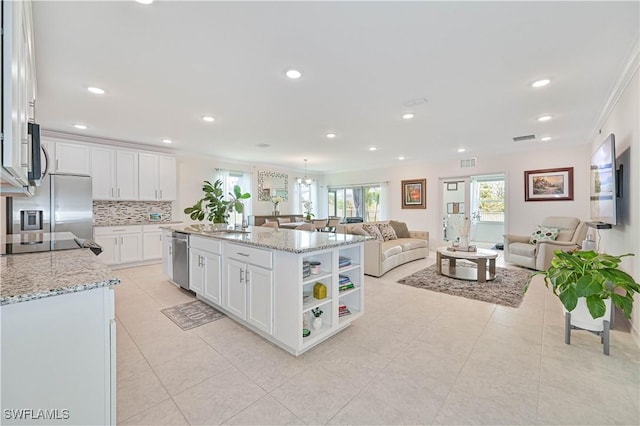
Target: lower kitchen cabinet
(59, 353)
(248, 286)
(120, 244)
(205, 268)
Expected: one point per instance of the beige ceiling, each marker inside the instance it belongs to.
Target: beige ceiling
(165, 65)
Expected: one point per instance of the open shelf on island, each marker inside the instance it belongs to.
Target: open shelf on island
(353, 315)
(349, 291)
(313, 278)
(315, 334)
(349, 267)
(314, 303)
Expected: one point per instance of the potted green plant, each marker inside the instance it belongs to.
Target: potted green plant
(236, 204)
(211, 207)
(586, 284)
(592, 276)
(307, 207)
(317, 322)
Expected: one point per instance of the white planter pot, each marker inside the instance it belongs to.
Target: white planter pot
(581, 317)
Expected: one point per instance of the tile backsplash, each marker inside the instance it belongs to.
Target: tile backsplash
(124, 212)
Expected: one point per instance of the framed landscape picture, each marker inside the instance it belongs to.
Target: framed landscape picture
(548, 184)
(414, 194)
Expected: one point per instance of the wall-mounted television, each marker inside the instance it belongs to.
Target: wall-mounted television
(603, 183)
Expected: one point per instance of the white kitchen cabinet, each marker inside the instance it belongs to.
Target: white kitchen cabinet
(73, 158)
(115, 174)
(235, 292)
(151, 242)
(249, 285)
(59, 353)
(121, 244)
(18, 91)
(103, 172)
(167, 254)
(205, 268)
(157, 177)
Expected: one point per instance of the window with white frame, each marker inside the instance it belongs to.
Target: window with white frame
(231, 178)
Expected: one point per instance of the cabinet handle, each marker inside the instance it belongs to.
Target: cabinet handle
(118, 192)
(118, 230)
(170, 250)
(246, 277)
(201, 261)
(121, 240)
(161, 194)
(111, 192)
(24, 154)
(32, 104)
(241, 278)
(57, 164)
(116, 238)
(242, 254)
(156, 194)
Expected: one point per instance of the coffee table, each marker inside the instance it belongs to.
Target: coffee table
(479, 257)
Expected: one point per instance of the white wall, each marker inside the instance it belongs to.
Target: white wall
(624, 123)
(521, 217)
(193, 170)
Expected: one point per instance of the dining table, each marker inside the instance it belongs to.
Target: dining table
(291, 225)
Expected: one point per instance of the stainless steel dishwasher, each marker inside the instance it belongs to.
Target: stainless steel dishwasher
(180, 258)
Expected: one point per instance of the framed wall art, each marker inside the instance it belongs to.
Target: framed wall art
(548, 184)
(414, 194)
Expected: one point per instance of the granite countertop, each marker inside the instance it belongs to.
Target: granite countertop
(277, 239)
(33, 276)
(136, 222)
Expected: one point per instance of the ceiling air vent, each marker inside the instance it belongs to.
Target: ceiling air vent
(524, 138)
(469, 162)
(263, 145)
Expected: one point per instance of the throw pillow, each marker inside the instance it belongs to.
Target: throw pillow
(356, 230)
(373, 231)
(401, 229)
(543, 233)
(387, 231)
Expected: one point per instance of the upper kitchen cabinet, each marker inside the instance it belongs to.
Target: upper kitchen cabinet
(18, 91)
(157, 177)
(114, 173)
(72, 158)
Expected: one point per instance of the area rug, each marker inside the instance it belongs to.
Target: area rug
(192, 314)
(505, 290)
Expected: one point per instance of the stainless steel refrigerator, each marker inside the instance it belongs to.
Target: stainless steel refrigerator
(62, 203)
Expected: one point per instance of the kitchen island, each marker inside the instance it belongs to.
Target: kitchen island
(261, 278)
(58, 338)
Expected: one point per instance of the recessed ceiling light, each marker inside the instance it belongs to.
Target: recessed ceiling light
(541, 83)
(331, 135)
(401, 157)
(80, 126)
(544, 118)
(208, 118)
(373, 148)
(96, 90)
(166, 140)
(293, 74)
(408, 116)
(145, 1)
(546, 138)
(462, 149)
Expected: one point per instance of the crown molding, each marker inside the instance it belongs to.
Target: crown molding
(105, 141)
(620, 85)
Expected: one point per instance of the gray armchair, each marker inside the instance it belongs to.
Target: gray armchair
(519, 251)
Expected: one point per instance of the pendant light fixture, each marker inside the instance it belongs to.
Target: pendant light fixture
(305, 179)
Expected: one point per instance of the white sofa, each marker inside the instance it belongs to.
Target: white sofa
(382, 256)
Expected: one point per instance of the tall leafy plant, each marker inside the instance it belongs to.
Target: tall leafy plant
(236, 199)
(211, 206)
(594, 276)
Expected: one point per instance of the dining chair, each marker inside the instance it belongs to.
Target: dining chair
(332, 224)
(270, 225)
(306, 227)
(282, 220)
(320, 224)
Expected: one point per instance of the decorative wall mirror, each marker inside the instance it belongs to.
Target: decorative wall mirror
(271, 184)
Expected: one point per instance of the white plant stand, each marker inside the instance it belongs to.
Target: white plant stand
(580, 319)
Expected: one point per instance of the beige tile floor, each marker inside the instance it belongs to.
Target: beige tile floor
(415, 357)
